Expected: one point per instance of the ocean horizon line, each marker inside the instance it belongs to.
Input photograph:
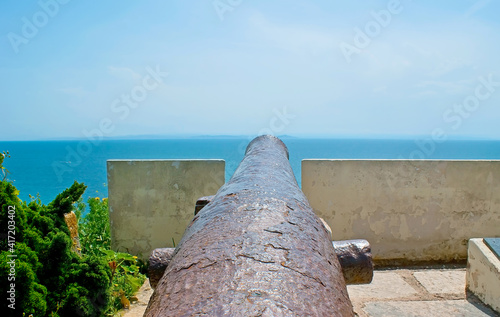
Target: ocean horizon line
(404, 137)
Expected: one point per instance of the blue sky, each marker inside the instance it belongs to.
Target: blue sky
(75, 69)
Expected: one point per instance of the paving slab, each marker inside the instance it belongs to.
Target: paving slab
(446, 308)
(442, 282)
(398, 293)
(385, 285)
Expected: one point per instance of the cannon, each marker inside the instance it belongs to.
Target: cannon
(255, 249)
(355, 259)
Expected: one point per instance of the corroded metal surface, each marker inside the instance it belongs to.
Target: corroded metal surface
(257, 249)
(158, 262)
(355, 257)
(202, 202)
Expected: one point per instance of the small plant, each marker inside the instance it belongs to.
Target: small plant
(126, 278)
(94, 228)
(95, 238)
(5, 171)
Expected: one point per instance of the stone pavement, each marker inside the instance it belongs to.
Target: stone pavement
(415, 293)
(394, 293)
(137, 308)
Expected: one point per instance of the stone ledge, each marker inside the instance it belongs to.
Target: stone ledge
(483, 273)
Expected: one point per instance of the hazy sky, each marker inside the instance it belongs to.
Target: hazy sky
(343, 68)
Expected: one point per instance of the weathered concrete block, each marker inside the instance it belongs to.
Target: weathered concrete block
(483, 273)
(409, 210)
(151, 201)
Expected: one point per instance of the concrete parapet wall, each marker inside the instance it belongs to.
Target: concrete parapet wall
(151, 202)
(409, 210)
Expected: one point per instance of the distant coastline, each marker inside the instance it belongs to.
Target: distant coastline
(50, 166)
(283, 136)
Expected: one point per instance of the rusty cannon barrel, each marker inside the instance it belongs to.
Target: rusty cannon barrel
(256, 249)
(355, 258)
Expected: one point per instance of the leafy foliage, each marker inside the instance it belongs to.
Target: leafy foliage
(5, 171)
(50, 279)
(95, 239)
(94, 228)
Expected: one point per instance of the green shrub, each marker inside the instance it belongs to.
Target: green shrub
(50, 279)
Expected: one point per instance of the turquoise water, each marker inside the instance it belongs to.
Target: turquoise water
(48, 167)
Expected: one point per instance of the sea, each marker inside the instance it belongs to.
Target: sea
(45, 168)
